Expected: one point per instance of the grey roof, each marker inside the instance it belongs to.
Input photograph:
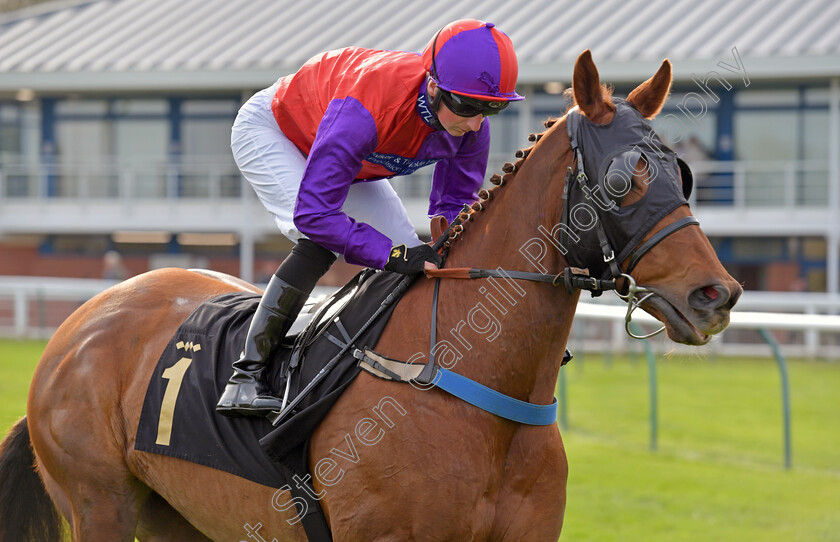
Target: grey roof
(241, 44)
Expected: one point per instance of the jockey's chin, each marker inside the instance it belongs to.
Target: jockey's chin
(456, 125)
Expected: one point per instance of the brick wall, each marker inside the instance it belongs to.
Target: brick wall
(28, 261)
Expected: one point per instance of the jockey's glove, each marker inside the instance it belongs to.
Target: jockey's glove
(411, 260)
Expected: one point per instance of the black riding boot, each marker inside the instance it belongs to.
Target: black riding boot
(247, 393)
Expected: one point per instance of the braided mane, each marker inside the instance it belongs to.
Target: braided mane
(509, 171)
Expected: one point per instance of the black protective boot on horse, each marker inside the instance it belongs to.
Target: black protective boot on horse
(247, 393)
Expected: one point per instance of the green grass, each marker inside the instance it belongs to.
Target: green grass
(718, 471)
(717, 474)
(17, 364)
(620, 494)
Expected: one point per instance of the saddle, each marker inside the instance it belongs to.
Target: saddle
(318, 361)
(178, 417)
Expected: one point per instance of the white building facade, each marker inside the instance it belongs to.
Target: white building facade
(115, 114)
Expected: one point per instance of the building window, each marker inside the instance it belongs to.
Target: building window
(143, 148)
(20, 137)
(111, 148)
(782, 138)
(206, 162)
(207, 165)
(685, 117)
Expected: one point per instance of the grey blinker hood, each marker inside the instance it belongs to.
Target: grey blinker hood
(598, 224)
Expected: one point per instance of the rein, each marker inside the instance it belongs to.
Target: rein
(572, 278)
(460, 386)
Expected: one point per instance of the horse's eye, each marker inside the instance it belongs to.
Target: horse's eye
(687, 178)
(618, 179)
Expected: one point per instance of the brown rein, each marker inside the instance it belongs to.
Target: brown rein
(572, 278)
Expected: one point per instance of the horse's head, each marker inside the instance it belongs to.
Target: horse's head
(625, 208)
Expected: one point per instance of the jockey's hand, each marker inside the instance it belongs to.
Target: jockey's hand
(411, 260)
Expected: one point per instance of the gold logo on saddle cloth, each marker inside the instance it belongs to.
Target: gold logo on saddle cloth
(187, 347)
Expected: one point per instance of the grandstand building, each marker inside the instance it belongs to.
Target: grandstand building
(115, 119)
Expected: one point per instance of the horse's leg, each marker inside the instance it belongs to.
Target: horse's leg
(535, 481)
(104, 498)
(225, 506)
(159, 522)
(78, 431)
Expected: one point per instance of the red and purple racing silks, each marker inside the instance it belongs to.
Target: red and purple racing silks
(359, 115)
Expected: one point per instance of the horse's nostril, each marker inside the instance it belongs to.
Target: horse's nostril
(709, 297)
(710, 292)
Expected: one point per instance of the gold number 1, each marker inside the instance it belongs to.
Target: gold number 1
(175, 376)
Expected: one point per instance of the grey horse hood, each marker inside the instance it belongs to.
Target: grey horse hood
(610, 154)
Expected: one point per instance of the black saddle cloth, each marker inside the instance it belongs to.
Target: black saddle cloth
(179, 419)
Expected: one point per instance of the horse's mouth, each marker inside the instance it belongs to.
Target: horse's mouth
(678, 327)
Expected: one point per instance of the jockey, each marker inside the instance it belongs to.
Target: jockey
(319, 145)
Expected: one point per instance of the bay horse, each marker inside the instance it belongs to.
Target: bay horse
(443, 469)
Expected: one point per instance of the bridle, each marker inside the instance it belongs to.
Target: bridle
(574, 278)
(576, 173)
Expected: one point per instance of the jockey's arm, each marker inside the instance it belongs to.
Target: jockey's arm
(457, 180)
(346, 134)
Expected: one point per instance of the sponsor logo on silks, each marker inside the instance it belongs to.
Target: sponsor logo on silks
(425, 111)
(399, 165)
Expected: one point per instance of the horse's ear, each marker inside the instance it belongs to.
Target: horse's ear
(588, 92)
(650, 96)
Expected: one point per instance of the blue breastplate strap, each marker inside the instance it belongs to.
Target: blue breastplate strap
(493, 401)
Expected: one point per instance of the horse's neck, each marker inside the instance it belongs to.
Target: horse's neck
(533, 320)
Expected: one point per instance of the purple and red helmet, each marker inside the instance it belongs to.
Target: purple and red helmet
(475, 59)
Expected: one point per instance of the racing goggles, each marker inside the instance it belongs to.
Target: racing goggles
(464, 106)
